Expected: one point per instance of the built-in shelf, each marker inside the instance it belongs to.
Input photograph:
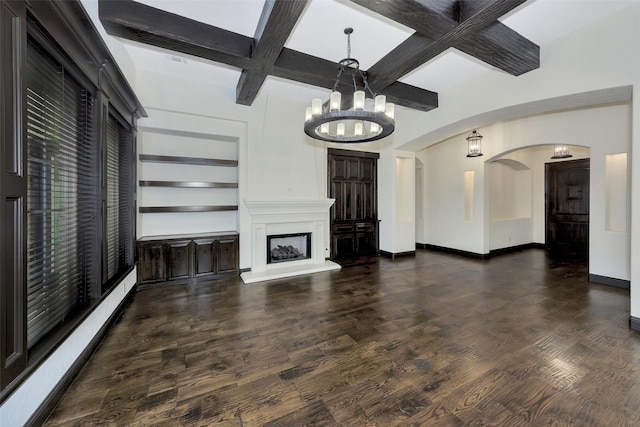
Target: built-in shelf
(187, 160)
(188, 184)
(179, 209)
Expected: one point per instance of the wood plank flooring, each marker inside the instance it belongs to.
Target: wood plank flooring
(436, 340)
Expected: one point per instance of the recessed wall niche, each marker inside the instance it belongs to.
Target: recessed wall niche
(469, 178)
(187, 178)
(616, 192)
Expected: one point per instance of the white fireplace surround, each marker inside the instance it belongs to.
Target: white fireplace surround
(269, 217)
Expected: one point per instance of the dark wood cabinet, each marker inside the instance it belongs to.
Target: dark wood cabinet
(354, 217)
(187, 257)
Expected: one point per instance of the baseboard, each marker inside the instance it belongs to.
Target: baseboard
(51, 401)
(517, 248)
(610, 281)
(452, 251)
(394, 255)
(634, 323)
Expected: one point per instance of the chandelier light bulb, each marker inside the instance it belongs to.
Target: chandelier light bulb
(358, 100)
(390, 110)
(334, 101)
(380, 103)
(316, 106)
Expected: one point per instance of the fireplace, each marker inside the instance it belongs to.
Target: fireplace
(301, 224)
(288, 247)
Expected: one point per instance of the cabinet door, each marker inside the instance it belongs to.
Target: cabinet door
(205, 257)
(152, 262)
(343, 245)
(178, 260)
(366, 239)
(227, 255)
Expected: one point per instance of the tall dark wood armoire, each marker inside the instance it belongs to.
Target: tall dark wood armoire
(354, 215)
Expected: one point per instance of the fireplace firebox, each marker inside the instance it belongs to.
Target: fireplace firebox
(288, 247)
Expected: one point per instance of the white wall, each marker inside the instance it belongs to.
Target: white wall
(635, 206)
(444, 198)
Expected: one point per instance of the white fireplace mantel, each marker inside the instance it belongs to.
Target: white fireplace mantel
(270, 217)
(284, 208)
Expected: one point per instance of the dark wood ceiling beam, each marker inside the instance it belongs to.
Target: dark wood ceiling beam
(144, 24)
(503, 48)
(499, 45)
(437, 29)
(411, 96)
(303, 68)
(274, 27)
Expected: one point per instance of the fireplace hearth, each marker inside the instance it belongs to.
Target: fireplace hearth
(288, 247)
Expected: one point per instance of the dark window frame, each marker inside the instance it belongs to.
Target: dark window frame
(66, 31)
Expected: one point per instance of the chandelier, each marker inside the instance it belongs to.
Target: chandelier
(561, 152)
(474, 141)
(369, 119)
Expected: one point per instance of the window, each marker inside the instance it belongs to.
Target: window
(67, 181)
(118, 199)
(60, 152)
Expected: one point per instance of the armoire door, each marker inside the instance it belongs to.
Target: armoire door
(567, 188)
(354, 215)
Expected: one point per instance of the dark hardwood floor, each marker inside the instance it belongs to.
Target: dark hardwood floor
(436, 340)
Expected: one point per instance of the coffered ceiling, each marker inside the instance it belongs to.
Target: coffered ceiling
(410, 49)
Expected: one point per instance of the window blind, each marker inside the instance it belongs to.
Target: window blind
(119, 183)
(61, 195)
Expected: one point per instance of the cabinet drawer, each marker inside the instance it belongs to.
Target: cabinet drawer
(365, 226)
(343, 228)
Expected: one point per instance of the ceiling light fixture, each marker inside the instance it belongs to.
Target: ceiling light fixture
(367, 120)
(561, 152)
(474, 139)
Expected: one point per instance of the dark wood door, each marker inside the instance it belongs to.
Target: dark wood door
(354, 215)
(567, 189)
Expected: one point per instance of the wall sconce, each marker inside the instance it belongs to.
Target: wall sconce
(474, 139)
(561, 152)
